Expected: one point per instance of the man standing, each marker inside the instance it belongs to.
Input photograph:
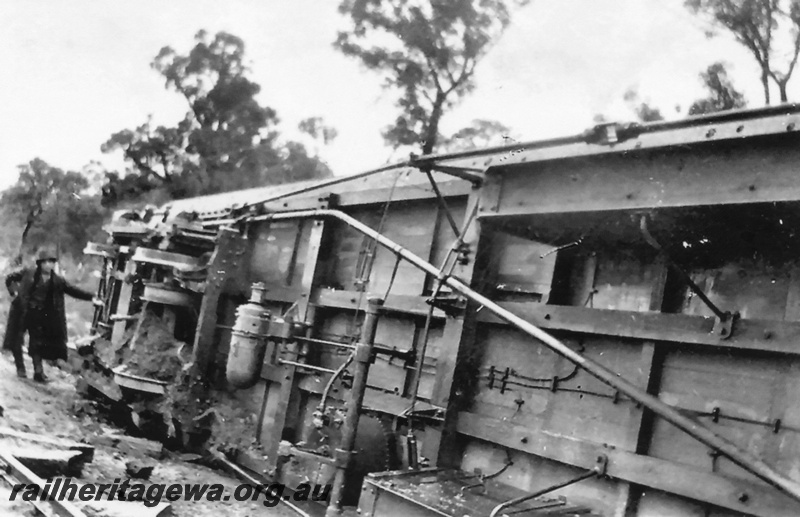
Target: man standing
(41, 311)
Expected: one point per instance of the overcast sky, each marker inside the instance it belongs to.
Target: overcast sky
(74, 72)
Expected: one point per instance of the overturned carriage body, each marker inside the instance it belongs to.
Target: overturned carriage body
(666, 253)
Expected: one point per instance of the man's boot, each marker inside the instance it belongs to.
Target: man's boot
(38, 370)
(19, 361)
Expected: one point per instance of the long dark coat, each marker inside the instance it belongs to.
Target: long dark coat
(15, 331)
(57, 344)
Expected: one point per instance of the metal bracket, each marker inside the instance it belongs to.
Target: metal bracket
(465, 173)
(611, 133)
(452, 305)
(328, 200)
(341, 458)
(724, 327)
(601, 466)
(463, 250)
(504, 380)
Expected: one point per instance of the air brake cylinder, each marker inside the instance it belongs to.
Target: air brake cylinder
(248, 341)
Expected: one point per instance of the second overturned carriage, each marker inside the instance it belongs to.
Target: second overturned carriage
(666, 252)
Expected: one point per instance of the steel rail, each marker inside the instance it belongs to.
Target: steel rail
(690, 426)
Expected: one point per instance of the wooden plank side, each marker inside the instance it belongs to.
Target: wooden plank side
(390, 373)
(760, 500)
(577, 404)
(274, 252)
(444, 236)
(412, 226)
(525, 267)
(761, 172)
(764, 335)
(401, 303)
(741, 386)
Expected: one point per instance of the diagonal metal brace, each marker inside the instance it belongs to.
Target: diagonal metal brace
(461, 172)
(723, 326)
(598, 470)
(472, 174)
(442, 201)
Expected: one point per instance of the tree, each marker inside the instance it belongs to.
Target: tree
(479, 135)
(157, 156)
(315, 128)
(226, 141)
(426, 51)
(644, 111)
(757, 25)
(52, 205)
(28, 196)
(721, 93)
(318, 132)
(296, 164)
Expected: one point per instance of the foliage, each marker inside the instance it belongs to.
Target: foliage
(478, 135)
(426, 51)
(722, 95)
(644, 111)
(52, 207)
(760, 26)
(226, 141)
(315, 128)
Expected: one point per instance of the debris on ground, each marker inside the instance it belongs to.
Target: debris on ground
(38, 414)
(138, 447)
(86, 450)
(92, 379)
(153, 351)
(137, 469)
(232, 424)
(50, 463)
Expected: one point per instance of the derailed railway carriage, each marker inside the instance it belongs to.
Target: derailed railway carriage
(607, 324)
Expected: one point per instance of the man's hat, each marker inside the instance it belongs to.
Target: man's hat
(46, 253)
